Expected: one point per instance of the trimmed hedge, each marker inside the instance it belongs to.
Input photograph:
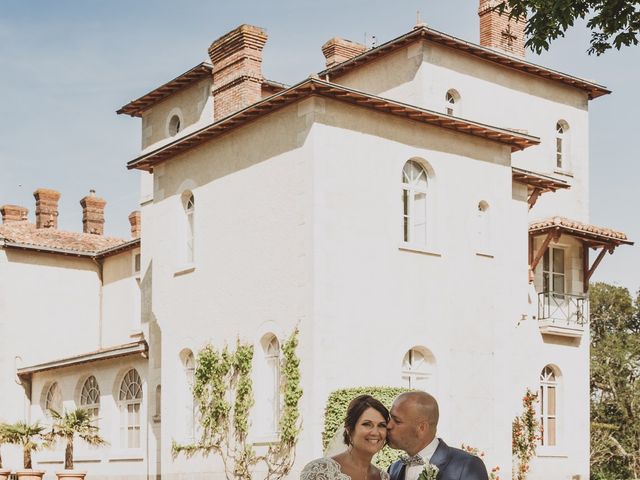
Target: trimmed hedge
(336, 410)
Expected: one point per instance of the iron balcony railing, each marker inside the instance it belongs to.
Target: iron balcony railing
(562, 309)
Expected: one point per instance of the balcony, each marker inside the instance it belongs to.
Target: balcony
(562, 314)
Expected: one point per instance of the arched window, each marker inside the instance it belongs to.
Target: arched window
(53, 400)
(562, 145)
(451, 102)
(418, 368)
(414, 203)
(483, 227)
(130, 403)
(174, 125)
(267, 381)
(90, 398)
(189, 210)
(272, 359)
(188, 403)
(549, 406)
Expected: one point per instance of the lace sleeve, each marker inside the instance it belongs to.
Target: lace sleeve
(322, 469)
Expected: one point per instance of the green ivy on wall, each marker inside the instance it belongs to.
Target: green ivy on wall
(336, 411)
(223, 391)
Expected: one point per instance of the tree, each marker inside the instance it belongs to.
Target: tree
(3, 439)
(71, 425)
(613, 23)
(28, 436)
(615, 383)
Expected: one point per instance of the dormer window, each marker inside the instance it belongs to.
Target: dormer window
(174, 125)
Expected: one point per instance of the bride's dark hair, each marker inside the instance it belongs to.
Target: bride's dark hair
(356, 408)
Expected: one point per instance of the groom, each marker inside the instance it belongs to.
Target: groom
(412, 428)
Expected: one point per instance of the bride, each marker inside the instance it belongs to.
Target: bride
(365, 433)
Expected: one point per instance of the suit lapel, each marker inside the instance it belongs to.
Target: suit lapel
(441, 456)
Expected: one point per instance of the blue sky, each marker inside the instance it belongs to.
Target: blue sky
(66, 66)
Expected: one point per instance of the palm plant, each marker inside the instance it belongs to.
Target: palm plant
(3, 439)
(68, 426)
(26, 435)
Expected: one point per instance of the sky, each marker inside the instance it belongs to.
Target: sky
(67, 66)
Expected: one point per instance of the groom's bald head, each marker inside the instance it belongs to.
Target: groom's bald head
(424, 406)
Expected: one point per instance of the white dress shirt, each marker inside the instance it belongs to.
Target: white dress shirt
(413, 472)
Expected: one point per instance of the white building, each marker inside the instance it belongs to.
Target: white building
(389, 207)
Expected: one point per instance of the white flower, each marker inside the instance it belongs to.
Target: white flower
(429, 472)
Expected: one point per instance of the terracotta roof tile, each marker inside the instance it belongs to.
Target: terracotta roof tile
(579, 228)
(25, 234)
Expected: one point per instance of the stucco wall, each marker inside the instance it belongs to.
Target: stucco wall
(423, 72)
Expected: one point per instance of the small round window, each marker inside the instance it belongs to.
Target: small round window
(174, 125)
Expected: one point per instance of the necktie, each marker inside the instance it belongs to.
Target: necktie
(411, 461)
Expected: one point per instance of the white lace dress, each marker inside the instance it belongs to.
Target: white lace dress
(327, 468)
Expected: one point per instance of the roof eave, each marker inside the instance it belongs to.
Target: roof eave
(592, 89)
(314, 86)
(136, 348)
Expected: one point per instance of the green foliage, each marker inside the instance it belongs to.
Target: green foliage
(3, 439)
(336, 410)
(525, 431)
(68, 426)
(29, 436)
(613, 23)
(615, 383)
(223, 390)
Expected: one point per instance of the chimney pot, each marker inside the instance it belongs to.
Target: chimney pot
(237, 69)
(46, 207)
(500, 32)
(93, 214)
(136, 224)
(13, 213)
(338, 50)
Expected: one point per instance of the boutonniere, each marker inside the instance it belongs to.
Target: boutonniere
(429, 472)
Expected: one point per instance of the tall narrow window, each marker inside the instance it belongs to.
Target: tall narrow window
(549, 407)
(553, 276)
(414, 203)
(130, 403)
(562, 144)
(53, 399)
(189, 209)
(189, 405)
(451, 101)
(90, 398)
(483, 227)
(418, 369)
(272, 358)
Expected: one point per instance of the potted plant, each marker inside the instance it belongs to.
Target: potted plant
(4, 473)
(29, 437)
(69, 426)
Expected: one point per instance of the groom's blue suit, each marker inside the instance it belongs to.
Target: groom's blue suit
(452, 463)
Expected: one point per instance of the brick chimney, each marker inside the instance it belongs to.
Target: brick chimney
(499, 31)
(237, 69)
(13, 213)
(46, 208)
(338, 50)
(134, 220)
(93, 214)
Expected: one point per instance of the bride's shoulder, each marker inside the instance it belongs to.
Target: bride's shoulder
(321, 468)
(384, 475)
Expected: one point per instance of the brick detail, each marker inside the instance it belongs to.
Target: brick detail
(499, 31)
(237, 69)
(338, 50)
(93, 214)
(13, 213)
(46, 208)
(136, 223)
